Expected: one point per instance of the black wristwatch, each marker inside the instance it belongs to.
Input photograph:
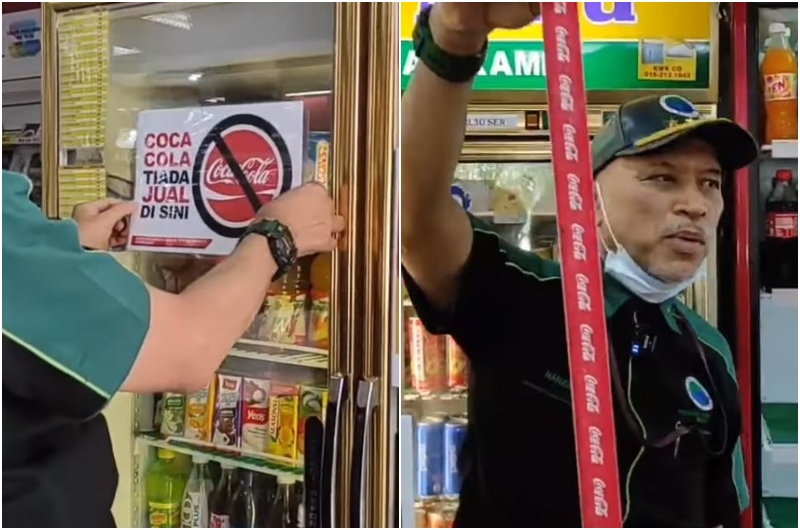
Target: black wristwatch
(281, 243)
(453, 68)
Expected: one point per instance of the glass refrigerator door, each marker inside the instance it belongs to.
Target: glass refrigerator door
(518, 199)
(115, 63)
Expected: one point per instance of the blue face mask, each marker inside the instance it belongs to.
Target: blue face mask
(621, 266)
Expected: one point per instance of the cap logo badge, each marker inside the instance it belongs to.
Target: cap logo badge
(679, 106)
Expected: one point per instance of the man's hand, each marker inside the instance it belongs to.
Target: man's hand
(308, 213)
(461, 28)
(104, 223)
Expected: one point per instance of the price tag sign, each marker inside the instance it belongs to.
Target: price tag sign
(587, 340)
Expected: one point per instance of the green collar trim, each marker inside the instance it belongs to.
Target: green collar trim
(617, 294)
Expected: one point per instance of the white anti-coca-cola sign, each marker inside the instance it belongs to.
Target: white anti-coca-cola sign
(201, 190)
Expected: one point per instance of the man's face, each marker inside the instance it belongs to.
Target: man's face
(663, 207)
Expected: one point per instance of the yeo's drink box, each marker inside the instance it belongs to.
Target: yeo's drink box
(227, 417)
(255, 414)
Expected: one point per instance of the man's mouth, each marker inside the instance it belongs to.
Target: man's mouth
(689, 238)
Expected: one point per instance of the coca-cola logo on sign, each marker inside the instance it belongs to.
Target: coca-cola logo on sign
(240, 165)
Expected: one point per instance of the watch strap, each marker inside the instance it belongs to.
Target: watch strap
(450, 67)
(280, 240)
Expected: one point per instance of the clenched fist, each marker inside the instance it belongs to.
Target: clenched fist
(461, 28)
(308, 213)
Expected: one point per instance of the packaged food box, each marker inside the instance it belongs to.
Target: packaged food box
(226, 411)
(283, 412)
(313, 401)
(255, 414)
(199, 409)
(173, 414)
(317, 163)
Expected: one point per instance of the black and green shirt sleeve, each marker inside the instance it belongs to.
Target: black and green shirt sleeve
(73, 320)
(497, 279)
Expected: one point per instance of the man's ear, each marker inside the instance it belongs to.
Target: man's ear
(598, 211)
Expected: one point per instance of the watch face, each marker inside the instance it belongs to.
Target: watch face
(281, 248)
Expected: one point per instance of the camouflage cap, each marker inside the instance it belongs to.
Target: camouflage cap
(653, 122)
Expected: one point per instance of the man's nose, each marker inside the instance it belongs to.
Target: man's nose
(693, 203)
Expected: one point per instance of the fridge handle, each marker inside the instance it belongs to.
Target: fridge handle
(312, 472)
(337, 397)
(366, 401)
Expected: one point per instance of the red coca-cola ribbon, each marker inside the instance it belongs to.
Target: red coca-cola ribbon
(587, 340)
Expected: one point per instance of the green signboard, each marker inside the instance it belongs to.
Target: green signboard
(622, 65)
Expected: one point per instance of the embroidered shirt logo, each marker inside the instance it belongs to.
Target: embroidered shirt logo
(698, 394)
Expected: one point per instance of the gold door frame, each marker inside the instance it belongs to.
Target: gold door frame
(381, 253)
(348, 175)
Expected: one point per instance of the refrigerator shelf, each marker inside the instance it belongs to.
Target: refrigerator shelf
(783, 149)
(242, 461)
(444, 396)
(281, 353)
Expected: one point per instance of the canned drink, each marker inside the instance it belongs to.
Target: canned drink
(457, 367)
(430, 457)
(455, 431)
(441, 516)
(426, 359)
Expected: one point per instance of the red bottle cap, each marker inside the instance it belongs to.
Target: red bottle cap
(784, 175)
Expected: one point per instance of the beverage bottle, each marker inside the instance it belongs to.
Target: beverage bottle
(246, 509)
(780, 253)
(219, 503)
(280, 513)
(318, 327)
(164, 486)
(779, 72)
(194, 512)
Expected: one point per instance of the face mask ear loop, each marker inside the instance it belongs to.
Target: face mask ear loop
(617, 246)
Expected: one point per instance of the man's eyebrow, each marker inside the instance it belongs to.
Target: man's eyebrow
(714, 170)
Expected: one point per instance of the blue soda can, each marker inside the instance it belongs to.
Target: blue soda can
(430, 457)
(455, 431)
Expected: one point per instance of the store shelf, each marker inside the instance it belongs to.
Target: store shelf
(445, 396)
(490, 214)
(281, 353)
(229, 456)
(780, 512)
(781, 149)
(781, 421)
(779, 449)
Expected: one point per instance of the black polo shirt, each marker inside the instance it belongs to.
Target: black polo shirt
(518, 462)
(73, 323)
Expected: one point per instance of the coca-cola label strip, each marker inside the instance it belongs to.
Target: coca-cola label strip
(202, 172)
(587, 339)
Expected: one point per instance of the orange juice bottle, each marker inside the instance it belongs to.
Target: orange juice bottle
(318, 326)
(779, 71)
